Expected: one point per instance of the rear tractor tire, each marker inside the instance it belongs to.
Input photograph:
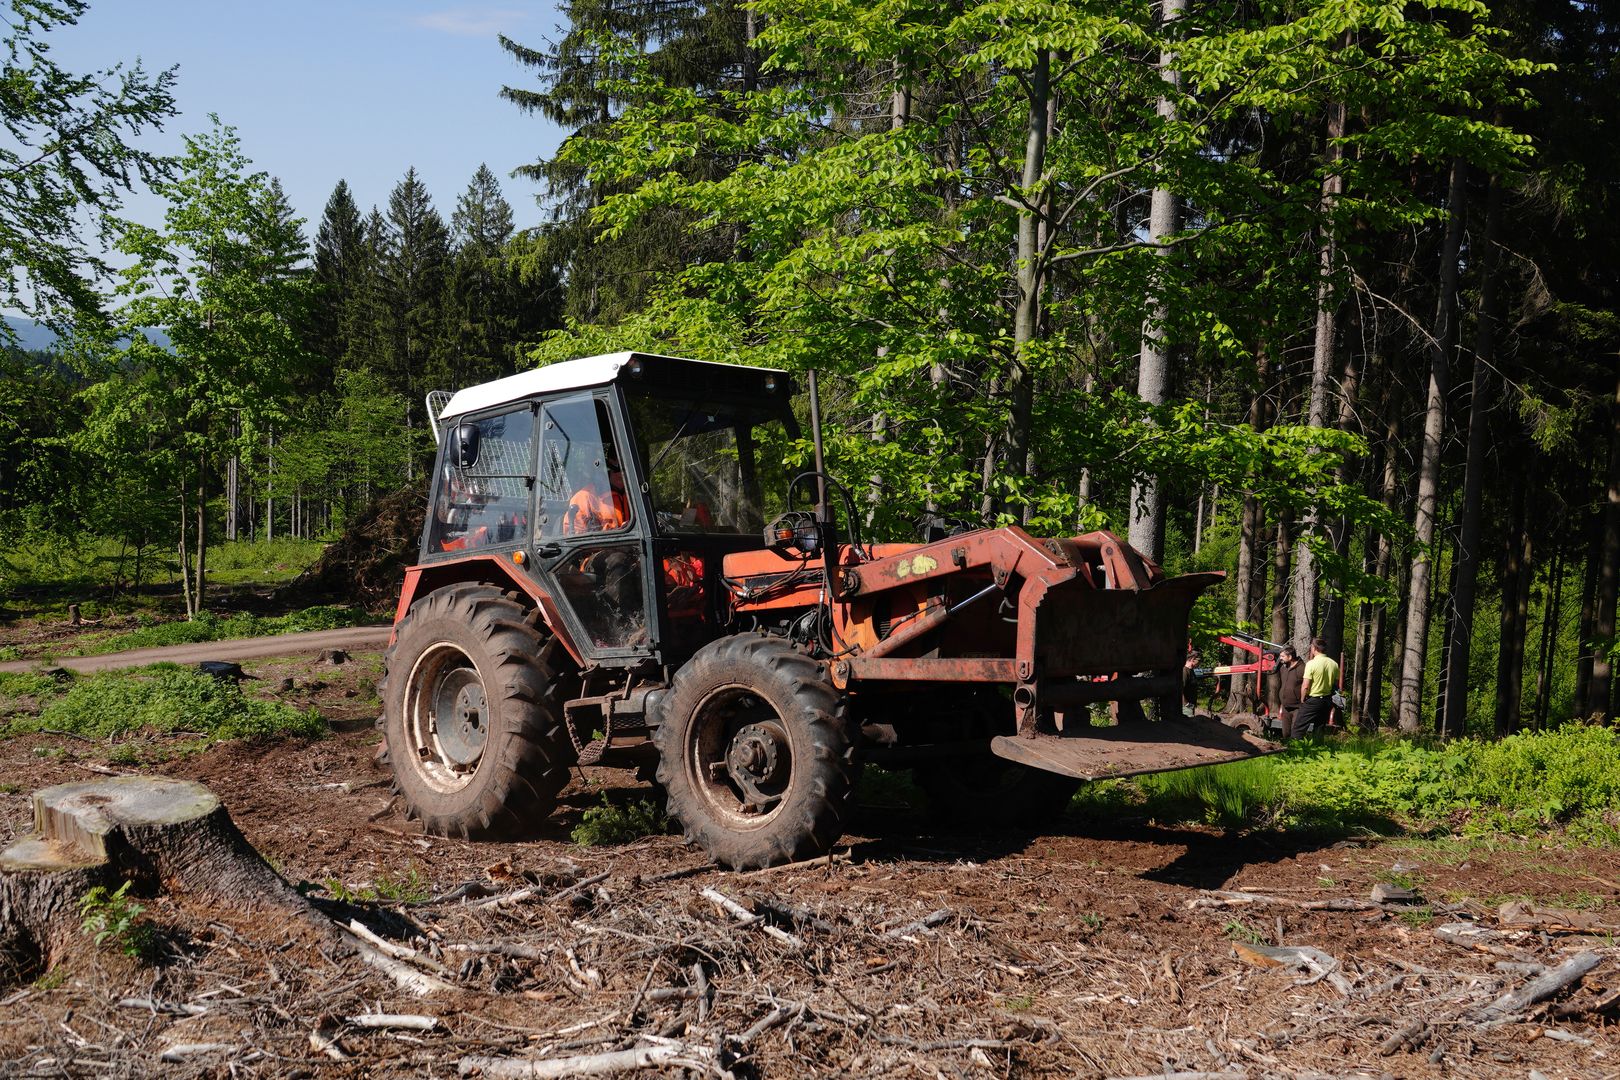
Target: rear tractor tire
(475, 738)
(754, 753)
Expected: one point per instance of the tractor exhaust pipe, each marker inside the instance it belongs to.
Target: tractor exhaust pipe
(824, 514)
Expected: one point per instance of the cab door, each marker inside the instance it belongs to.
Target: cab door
(590, 533)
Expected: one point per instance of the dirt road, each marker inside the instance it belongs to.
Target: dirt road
(347, 638)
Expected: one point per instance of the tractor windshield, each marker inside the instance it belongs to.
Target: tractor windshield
(701, 459)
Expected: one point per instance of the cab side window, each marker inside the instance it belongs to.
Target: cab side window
(486, 502)
(582, 486)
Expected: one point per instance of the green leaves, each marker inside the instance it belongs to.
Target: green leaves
(69, 155)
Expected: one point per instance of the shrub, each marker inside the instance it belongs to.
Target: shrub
(619, 824)
(113, 920)
(167, 698)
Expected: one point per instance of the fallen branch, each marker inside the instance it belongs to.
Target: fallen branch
(745, 917)
(323, 1040)
(1410, 1035)
(933, 918)
(151, 1005)
(1544, 986)
(775, 1018)
(398, 952)
(505, 948)
(1221, 898)
(520, 895)
(182, 1051)
(408, 1021)
(642, 1057)
(404, 975)
(825, 862)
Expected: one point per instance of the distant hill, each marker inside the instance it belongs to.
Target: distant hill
(31, 336)
(37, 337)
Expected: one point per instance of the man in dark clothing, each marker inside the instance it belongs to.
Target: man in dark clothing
(1291, 672)
(1189, 682)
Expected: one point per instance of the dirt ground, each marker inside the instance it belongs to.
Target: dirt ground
(1095, 949)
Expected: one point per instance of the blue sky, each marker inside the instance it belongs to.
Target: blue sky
(351, 89)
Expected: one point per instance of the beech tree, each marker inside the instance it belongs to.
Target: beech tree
(215, 281)
(69, 156)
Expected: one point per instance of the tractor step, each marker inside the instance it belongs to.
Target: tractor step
(1096, 753)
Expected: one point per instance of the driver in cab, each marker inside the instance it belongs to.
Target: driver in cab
(600, 504)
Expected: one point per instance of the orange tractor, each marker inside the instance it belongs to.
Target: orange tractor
(599, 584)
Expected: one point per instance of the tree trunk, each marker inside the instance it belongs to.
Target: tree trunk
(1516, 575)
(185, 557)
(200, 578)
(1349, 392)
(1031, 276)
(1153, 377)
(1243, 613)
(270, 490)
(1453, 713)
(1547, 653)
(1279, 604)
(1583, 636)
(156, 832)
(1414, 649)
(1599, 693)
(1250, 583)
(1322, 354)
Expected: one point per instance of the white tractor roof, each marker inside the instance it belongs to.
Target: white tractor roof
(567, 375)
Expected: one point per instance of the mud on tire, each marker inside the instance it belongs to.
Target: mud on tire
(753, 751)
(474, 738)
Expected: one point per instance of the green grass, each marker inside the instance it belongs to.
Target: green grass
(25, 693)
(165, 698)
(210, 627)
(58, 570)
(1567, 779)
(407, 888)
(1238, 930)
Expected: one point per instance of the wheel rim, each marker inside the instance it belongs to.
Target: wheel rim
(446, 717)
(740, 758)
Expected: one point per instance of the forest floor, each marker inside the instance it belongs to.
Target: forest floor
(1095, 949)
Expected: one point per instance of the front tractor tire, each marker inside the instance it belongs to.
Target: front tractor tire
(754, 753)
(475, 739)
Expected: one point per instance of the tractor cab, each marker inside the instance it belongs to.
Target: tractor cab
(616, 484)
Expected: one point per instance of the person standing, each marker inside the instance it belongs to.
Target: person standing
(1291, 676)
(1321, 680)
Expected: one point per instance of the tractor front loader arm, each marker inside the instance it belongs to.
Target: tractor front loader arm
(1092, 621)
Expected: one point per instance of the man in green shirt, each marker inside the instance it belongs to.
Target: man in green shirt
(1321, 680)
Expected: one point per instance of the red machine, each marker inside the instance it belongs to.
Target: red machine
(599, 584)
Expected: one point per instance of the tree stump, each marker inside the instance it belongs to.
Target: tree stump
(157, 832)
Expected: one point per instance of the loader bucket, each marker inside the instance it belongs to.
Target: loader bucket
(1097, 753)
(1075, 629)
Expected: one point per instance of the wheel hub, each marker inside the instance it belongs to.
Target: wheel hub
(463, 726)
(757, 759)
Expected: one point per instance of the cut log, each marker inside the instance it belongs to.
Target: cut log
(154, 831)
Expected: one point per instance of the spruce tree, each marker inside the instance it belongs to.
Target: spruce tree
(415, 263)
(697, 44)
(481, 300)
(339, 267)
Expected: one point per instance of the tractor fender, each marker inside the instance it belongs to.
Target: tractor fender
(493, 570)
